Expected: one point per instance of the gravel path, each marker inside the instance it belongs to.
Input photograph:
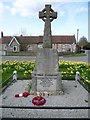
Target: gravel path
(74, 95)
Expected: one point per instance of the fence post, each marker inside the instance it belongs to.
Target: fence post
(15, 75)
(77, 77)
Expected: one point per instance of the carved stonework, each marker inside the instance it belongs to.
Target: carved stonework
(47, 15)
(46, 75)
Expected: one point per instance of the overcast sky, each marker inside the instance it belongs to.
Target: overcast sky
(21, 16)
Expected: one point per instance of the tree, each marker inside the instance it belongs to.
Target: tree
(83, 42)
(87, 47)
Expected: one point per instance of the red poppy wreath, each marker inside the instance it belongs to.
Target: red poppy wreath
(38, 101)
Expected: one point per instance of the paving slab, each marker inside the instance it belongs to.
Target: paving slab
(74, 95)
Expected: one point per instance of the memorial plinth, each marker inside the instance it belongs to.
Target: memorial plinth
(46, 75)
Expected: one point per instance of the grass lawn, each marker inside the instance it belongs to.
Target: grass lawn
(75, 55)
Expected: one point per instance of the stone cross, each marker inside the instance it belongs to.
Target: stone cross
(47, 15)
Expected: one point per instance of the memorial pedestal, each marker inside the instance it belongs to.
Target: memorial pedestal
(46, 75)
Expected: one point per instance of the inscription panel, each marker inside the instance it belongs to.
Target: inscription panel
(46, 84)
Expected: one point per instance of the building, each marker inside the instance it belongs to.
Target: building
(17, 44)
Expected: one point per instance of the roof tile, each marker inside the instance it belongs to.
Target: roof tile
(61, 39)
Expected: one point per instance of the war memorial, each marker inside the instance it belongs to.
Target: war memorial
(46, 75)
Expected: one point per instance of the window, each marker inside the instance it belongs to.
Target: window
(29, 47)
(40, 46)
(5, 47)
(14, 48)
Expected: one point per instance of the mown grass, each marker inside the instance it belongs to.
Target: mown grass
(75, 55)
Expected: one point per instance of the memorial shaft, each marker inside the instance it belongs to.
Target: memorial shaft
(47, 15)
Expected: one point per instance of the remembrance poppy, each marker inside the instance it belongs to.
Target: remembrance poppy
(38, 101)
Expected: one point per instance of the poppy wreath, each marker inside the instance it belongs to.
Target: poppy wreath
(25, 94)
(38, 101)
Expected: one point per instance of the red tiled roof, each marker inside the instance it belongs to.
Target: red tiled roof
(67, 39)
(64, 39)
(6, 39)
(28, 39)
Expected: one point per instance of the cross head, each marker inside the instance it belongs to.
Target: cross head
(48, 13)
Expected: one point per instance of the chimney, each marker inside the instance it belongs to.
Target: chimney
(1, 34)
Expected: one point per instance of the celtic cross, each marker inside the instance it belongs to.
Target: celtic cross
(47, 15)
